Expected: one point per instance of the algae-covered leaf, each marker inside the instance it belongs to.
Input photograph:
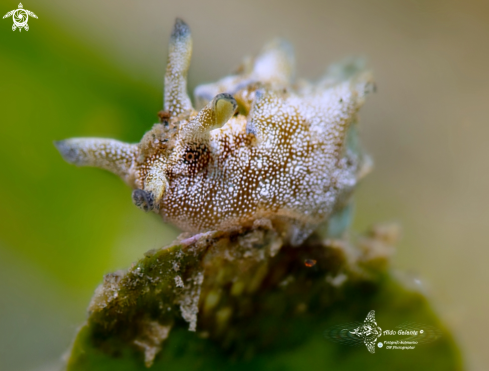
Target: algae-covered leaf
(243, 299)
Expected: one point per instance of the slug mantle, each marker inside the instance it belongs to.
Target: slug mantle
(258, 147)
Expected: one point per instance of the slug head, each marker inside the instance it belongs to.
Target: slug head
(177, 147)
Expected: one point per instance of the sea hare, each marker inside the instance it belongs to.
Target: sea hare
(260, 147)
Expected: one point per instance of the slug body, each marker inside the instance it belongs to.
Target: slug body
(258, 147)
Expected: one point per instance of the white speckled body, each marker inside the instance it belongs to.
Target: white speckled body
(259, 148)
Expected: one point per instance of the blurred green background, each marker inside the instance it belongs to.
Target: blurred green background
(95, 68)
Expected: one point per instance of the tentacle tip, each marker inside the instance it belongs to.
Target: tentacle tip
(276, 62)
(180, 30)
(69, 152)
(281, 45)
(365, 84)
(225, 101)
(224, 108)
(143, 199)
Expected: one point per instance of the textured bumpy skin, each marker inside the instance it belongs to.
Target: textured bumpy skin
(260, 147)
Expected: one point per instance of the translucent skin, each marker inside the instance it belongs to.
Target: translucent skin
(259, 147)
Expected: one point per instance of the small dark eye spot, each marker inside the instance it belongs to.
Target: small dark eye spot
(191, 156)
(196, 157)
(194, 153)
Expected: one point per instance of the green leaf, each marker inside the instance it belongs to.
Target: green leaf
(256, 304)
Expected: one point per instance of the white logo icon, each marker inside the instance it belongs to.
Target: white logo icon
(369, 332)
(20, 17)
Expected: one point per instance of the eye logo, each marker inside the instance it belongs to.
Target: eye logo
(369, 332)
(20, 17)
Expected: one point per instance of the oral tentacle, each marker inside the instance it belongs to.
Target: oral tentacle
(108, 154)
